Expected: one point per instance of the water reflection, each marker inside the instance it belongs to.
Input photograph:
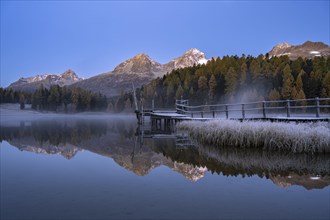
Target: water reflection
(284, 169)
(119, 139)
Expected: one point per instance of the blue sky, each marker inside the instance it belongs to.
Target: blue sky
(91, 37)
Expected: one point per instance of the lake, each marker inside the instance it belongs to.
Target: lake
(103, 167)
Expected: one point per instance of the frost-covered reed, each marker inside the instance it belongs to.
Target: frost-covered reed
(301, 137)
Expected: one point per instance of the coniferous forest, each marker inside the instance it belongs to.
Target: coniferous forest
(56, 98)
(238, 79)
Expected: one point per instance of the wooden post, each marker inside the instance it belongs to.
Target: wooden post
(213, 114)
(166, 124)
(153, 105)
(158, 124)
(202, 114)
(226, 106)
(264, 109)
(243, 111)
(317, 107)
(192, 115)
(288, 108)
(181, 112)
(135, 99)
(142, 116)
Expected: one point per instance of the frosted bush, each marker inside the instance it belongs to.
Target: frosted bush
(302, 137)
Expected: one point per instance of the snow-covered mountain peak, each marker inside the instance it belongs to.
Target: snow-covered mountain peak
(283, 45)
(142, 56)
(194, 51)
(31, 83)
(69, 74)
(189, 58)
(308, 49)
(139, 64)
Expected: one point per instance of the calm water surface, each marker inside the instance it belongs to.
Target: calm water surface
(94, 167)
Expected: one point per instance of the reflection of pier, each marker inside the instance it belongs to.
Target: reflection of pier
(166, 131)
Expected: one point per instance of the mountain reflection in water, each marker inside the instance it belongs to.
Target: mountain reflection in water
(117, 138)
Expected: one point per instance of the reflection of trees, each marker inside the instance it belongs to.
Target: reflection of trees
(245, 162)
(56, 132)
(73, 131)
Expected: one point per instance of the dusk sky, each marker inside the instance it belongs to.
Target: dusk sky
(93, 37)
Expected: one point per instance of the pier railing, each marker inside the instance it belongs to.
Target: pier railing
(301, 108)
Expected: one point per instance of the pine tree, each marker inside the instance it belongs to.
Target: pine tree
(255, 69)
(294, 93)
(212, 87)
(66, 97)
(169, 94)
(179, 92)
(75, 97)
(54, 98)
(301, 95)
(22, 101)
(202, 83)
(326, 84)
(315, 83)
(242, 79)
(299, 81)
(2, 93)
(231, 82)
(274, 95)
(287, 82)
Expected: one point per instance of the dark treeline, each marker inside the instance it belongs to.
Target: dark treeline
(239, 79)
(57, 98)
(11, 96)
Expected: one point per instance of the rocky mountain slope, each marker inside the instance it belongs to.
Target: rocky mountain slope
(139, 70)
(306, 50)
(30, 84)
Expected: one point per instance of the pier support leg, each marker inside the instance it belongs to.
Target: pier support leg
(288, 112)
(243, 112)
(317, 107)
(264, 109)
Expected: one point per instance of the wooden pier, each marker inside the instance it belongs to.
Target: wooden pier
(302, 110)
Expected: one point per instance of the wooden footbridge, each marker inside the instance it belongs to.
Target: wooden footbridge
(302, 110)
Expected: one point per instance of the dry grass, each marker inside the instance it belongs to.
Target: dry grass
(303, 137)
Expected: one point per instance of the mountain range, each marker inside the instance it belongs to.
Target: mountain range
(30, 84)
(141, 69)
(306, 50)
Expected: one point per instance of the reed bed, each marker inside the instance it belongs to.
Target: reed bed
(292, 137)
